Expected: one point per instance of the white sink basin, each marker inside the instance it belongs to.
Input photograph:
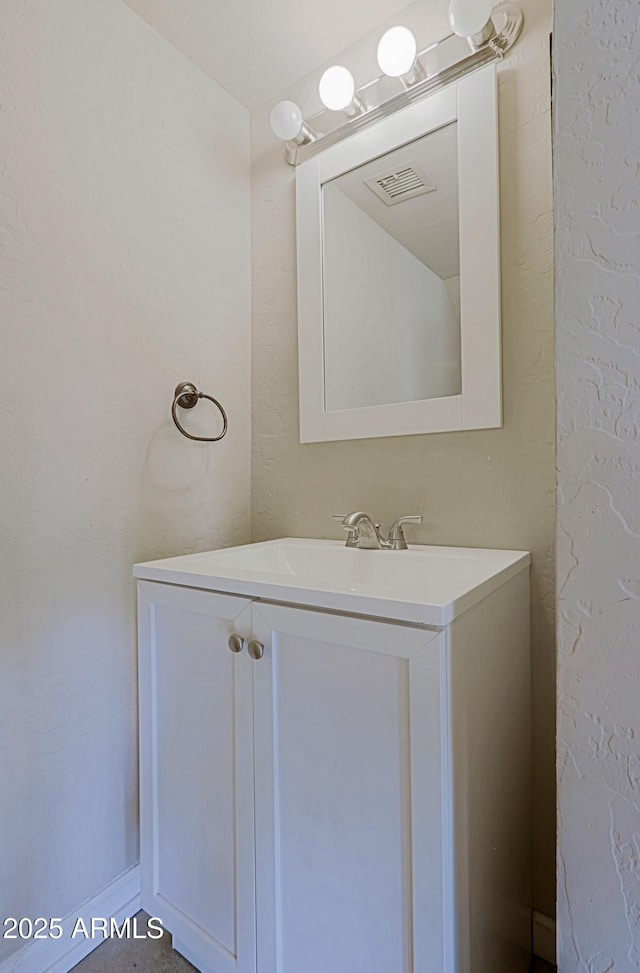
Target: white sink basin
(428, 585)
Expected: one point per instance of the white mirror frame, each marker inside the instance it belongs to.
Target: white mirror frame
(473, 103)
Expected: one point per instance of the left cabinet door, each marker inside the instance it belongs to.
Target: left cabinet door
(196, 774)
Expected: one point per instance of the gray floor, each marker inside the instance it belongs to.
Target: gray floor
(141, 955)
(157, 956)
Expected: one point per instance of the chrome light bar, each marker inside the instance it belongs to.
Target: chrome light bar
(443, 62)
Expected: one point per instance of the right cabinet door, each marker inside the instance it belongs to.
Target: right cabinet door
(349, 743)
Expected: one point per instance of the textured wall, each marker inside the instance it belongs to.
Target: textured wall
(597, 130)
(124, 268)
(494, 488)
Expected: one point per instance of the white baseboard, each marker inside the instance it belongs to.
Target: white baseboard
(120, 899)
(544, 937)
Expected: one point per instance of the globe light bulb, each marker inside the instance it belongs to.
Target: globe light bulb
(286, 120)
(337, 88)
(469, 17)
(397, 52)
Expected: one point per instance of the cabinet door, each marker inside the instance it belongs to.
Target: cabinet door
(196, 754)
(349, 820)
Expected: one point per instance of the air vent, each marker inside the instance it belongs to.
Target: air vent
(402, 182)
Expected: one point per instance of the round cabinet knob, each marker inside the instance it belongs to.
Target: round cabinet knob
(235, 643)
(255, 649)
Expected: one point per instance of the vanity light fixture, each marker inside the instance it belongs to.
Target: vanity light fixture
(398, 56)
(481, 33)
(337, 91)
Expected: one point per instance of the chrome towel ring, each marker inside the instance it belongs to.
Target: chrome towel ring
(186, 396)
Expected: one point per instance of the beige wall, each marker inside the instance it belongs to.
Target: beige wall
(597, 202)
(490, 489)
(124, 268)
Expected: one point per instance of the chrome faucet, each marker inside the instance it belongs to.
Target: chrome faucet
(363, 533)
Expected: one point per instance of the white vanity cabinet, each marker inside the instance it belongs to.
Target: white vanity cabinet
(356, 799)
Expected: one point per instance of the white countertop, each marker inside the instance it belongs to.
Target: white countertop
(424, 585)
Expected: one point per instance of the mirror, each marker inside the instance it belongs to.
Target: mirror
(391, 276)
(398, 272)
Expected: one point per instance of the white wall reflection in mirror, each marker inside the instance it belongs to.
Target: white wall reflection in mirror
(391, 277)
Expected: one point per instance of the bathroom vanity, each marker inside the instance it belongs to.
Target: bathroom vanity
(335, 758)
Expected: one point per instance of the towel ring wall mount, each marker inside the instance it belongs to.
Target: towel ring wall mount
(187, 396)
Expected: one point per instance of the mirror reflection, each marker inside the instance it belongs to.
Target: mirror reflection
(391, 277)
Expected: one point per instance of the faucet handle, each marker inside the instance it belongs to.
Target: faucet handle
(340, 516)
(396, 534)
